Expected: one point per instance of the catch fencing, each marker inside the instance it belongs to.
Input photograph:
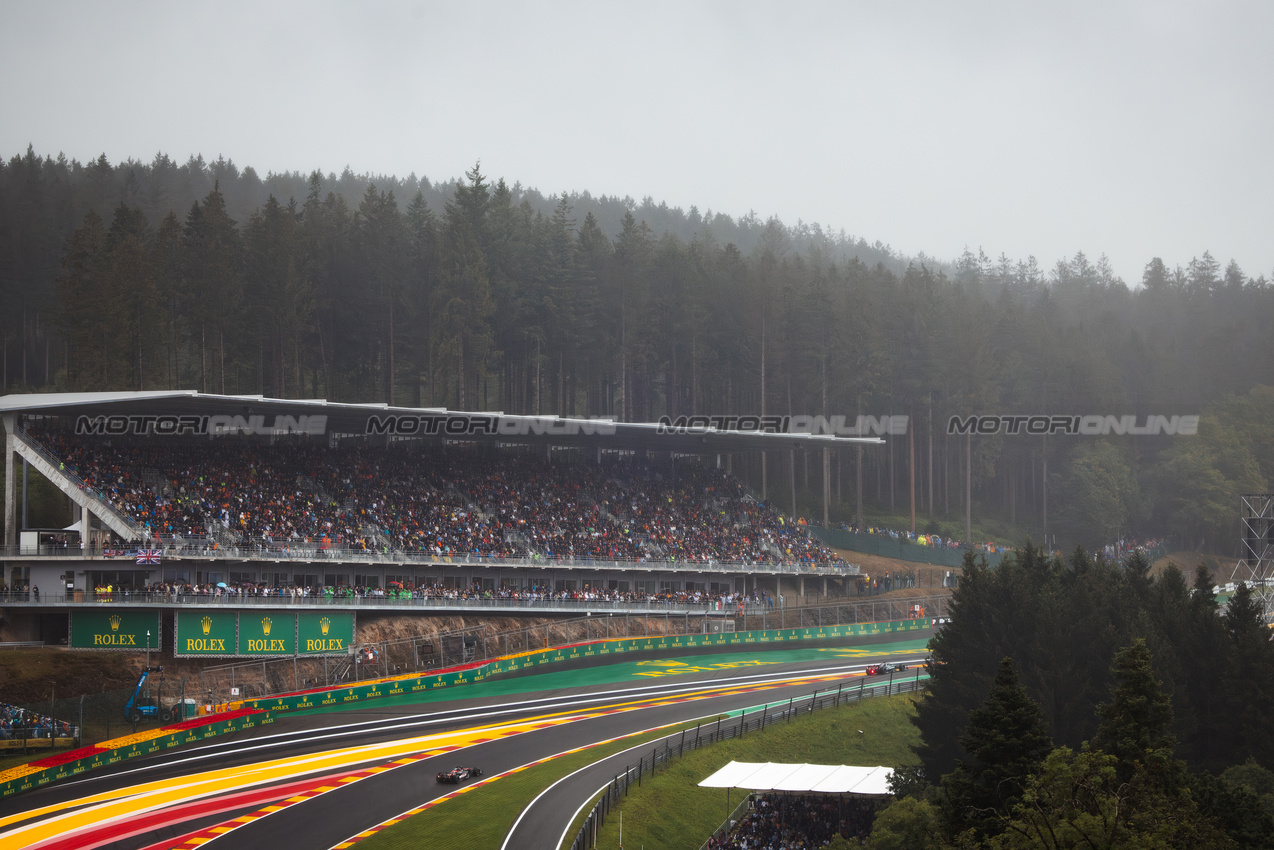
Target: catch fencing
(101, 716)
(892, 547)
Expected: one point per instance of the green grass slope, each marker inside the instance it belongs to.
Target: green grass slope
(671, 811)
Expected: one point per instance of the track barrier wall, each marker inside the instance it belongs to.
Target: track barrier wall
(477, 672)
(64, 765)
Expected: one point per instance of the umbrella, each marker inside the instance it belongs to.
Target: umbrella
(222, 584)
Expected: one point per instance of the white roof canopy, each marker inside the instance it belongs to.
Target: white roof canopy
(808, 778)
(356, 419)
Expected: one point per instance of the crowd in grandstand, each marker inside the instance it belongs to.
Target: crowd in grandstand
(457, 502)
(1116, 551)
(781, 822)
(17, 723)
(434, 591)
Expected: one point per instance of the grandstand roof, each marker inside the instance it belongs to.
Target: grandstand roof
(802, 778)
(234, 414)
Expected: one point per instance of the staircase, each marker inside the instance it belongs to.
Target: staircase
(157, 483)
(89, 498)
(224, 537)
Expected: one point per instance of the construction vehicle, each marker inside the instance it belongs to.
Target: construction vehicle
(140, 706)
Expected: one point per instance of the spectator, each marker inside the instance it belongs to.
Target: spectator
(457, 502)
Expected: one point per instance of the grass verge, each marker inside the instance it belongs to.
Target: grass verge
(480, 819)
(671, 811)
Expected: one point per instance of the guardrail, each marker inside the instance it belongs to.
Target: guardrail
(676, 745)
(443, 603)
(425, 603)
(210, 551)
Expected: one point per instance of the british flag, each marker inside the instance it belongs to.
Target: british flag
(148, 556)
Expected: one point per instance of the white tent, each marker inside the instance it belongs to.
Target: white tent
(802, 778)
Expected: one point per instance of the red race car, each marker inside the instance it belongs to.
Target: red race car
(458, 774)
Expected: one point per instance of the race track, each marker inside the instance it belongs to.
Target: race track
(322, 778)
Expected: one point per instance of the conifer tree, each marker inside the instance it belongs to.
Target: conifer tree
(1007, 742)
(1136, 724)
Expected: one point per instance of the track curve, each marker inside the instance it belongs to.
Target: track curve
(326, 779)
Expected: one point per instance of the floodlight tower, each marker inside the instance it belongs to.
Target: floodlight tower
(1256, 550)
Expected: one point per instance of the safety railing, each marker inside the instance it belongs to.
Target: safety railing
(168, 548)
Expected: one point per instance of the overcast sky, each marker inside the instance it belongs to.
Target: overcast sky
(1134, 129)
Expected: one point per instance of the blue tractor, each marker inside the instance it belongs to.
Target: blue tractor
(140, 706)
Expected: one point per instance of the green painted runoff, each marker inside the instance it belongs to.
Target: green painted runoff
(629, 671)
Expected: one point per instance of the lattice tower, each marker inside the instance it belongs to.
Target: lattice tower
(1256, 548)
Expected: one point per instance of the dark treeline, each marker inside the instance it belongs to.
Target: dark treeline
(476, 295)
(1063, 621)
(1154, 698)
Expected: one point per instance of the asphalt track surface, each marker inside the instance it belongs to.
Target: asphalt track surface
(319, 779)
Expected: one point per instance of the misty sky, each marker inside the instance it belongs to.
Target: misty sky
(1134, 129)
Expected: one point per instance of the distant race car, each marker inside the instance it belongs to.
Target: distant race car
(884, 669)
(458, 774)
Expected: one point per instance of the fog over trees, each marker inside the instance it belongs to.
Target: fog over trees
(1082, 703)
(480, 295)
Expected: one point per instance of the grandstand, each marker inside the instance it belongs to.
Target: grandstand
(184, 489)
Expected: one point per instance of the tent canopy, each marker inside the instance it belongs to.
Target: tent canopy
(807, 778)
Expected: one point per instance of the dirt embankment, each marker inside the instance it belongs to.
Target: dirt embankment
(32, 676)
(1219, 567)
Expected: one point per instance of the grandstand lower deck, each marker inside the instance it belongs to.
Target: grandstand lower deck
(76, 580)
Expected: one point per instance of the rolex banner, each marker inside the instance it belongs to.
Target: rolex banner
(114, 629)
(324, 633)
(267, 633)
(263, 633)
(209, 633)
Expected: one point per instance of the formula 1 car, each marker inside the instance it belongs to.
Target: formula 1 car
(884, 669)
(458, 774)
